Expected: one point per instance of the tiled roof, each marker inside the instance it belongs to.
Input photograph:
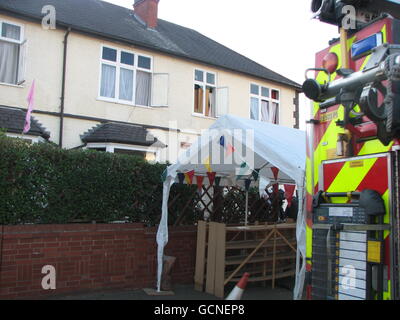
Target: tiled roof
(13, 121)
(120, 133)
(119, 23)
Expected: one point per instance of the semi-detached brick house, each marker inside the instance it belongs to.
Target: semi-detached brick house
(118, 80)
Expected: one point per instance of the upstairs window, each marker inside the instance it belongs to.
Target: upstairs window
(12, 53)
(126, 77)
(205, 93)
(264, 104)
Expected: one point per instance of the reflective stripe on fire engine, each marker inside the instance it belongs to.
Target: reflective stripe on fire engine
(349, 178)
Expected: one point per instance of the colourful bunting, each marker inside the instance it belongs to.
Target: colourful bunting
(199, 181)
(211, 177)
(243, 170)
(229, 150)
(275, 187)
(275, 171)
(189, 177)
(222, 141)
(289, 192)
(181, 177)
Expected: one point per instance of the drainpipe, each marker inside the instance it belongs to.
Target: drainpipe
(60, 143)
(296, 114)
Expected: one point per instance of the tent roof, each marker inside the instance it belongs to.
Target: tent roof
(259, 145)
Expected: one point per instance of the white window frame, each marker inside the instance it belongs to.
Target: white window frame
(118, 65)
(269, 99)
(155, 90)
(110, 147)
(33, 139)
(204, 84)
(20, 42)
(21, 26)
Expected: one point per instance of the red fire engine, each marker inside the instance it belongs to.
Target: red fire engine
(353, 155)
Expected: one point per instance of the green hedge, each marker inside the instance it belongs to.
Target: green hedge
(41, 183)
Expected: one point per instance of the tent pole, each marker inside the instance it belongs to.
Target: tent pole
(247, 208)
(246, 213)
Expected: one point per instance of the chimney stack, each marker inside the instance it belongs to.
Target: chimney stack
(147, 10)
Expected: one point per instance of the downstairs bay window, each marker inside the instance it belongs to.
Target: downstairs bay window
(147, 153)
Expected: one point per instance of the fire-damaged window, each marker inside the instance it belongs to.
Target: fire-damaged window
(209, 100)
(12, 53)
(125, 77)
(205, 93)
(264, 104)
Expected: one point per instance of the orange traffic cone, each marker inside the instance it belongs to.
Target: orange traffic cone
(237, 292)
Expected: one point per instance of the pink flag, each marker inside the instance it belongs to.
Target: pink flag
(31, 100)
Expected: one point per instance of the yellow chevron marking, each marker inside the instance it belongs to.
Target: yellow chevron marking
(374, 146)
(384, 33)
(328, 142)
(387, 295)
(315, 108)
(349, 178)
(308, 242)
(385, 198)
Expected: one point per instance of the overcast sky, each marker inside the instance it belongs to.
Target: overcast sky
(279, 34)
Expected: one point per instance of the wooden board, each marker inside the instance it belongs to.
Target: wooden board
(211, 256)
(200, 256)
(220, 261)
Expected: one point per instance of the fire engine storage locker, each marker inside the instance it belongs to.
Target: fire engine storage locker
(265, 146)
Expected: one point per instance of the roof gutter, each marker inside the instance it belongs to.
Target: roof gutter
(60, 143)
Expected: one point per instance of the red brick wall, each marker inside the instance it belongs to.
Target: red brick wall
(89, 257)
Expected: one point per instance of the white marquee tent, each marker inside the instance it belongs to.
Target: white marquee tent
(234, 147)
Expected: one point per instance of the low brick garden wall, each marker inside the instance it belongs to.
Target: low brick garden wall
(89, 257)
